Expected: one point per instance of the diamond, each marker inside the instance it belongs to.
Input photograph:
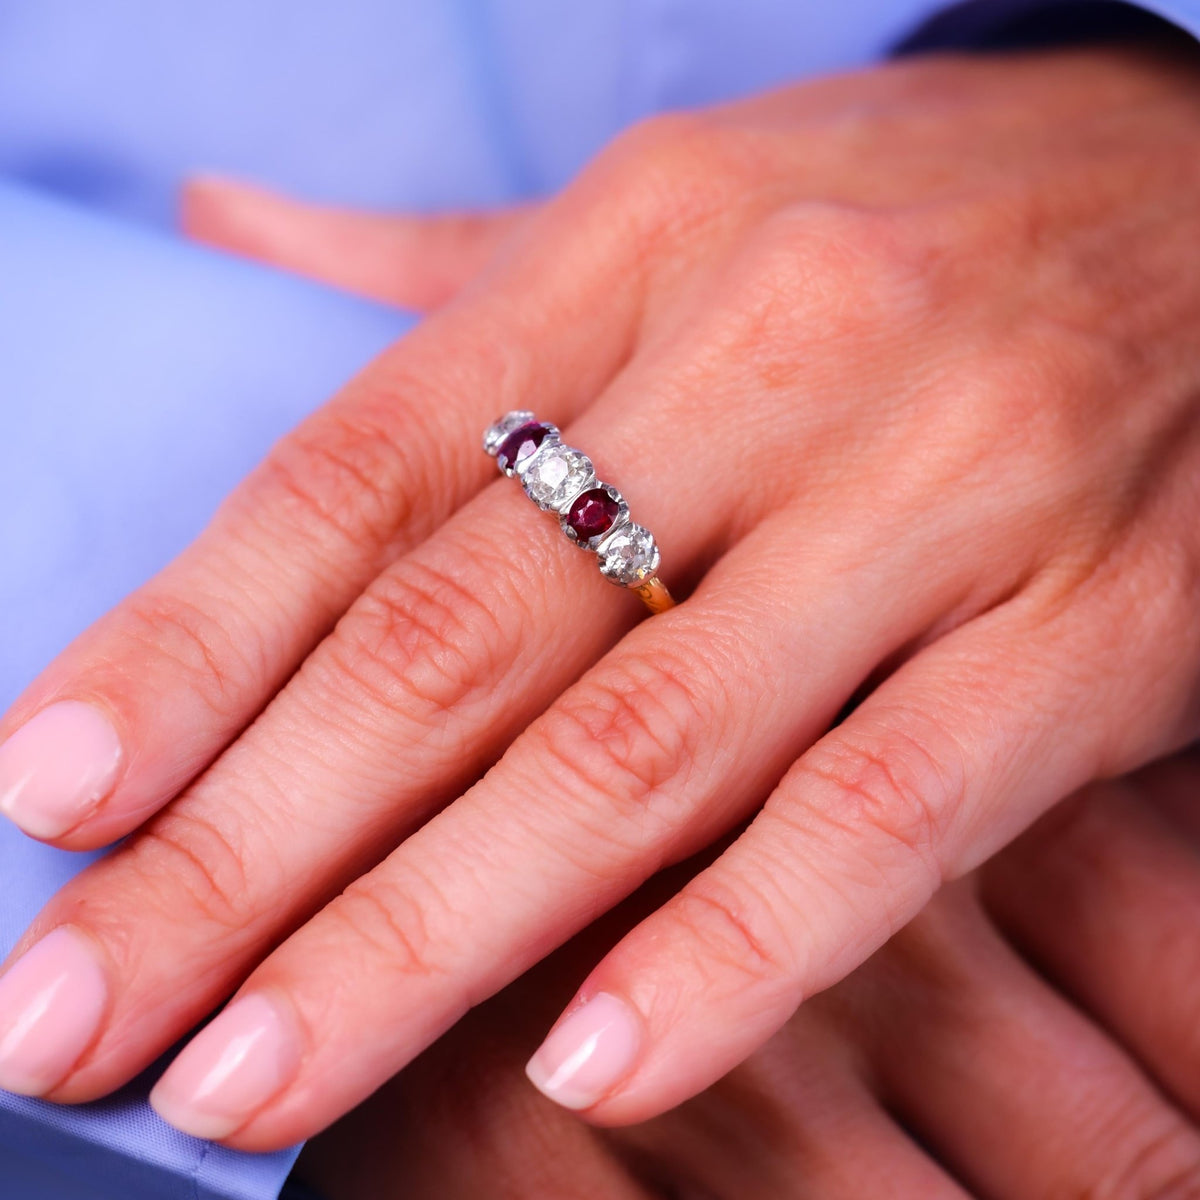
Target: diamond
(628, 556)
(556, 475)
(497, 432)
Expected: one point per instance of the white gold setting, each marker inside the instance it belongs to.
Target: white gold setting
(555, 474)
(628, 555)
(621, 518)
(507, 424)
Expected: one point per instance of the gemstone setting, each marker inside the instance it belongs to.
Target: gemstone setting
(629, 555)
(560, 479)
(555, 475)
(520, 446)
(499, 430)
(593, 515)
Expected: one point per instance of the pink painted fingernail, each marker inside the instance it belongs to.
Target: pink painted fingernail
(57, 768)
(229, 1071)
(52, 1000)
(588, 1054)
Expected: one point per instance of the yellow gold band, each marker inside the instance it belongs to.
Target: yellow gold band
(654, 593)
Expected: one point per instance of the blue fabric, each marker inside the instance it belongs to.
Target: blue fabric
(423, 103)
(140, 377)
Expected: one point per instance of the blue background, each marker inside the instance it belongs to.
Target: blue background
(141, 377)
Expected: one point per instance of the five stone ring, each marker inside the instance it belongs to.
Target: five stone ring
(561, 480)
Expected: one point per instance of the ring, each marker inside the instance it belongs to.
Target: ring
(561, 480)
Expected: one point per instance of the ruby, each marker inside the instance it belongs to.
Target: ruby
(520, 444)
(592, 514)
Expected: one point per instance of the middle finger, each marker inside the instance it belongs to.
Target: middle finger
(642, 763)
(444, 658)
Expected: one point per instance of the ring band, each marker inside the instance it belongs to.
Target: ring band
(594, 515)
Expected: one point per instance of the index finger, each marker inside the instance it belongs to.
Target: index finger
(153, 692)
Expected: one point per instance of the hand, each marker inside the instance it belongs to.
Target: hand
(1029, 1036)
(900, 367)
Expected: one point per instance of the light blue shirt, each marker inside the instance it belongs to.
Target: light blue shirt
(140, 377)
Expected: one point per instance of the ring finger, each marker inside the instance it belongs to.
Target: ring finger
(443, 659)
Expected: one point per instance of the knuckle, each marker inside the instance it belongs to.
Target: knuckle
(733, 930)
(187, 864)
(336, 480)
(884, 780)
(425, 634)
(857, 264)
(216, 655)
(1013, 406)
(675, 172)
(991, 424)
(624, 735)
(822, 272)
(395, 926)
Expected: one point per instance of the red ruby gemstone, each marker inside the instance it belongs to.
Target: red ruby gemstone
(520, 444)
(592, 514)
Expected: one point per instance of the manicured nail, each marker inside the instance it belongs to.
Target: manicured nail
(588, 1054)
(229, 1071)
(57, 768)
(52, 1000)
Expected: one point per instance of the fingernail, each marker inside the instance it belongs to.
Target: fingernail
(52, 1000)
(588, 1054)
(57, 768)
(229, 1070)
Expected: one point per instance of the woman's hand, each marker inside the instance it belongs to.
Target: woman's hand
(1031, 1035)
(900, 368)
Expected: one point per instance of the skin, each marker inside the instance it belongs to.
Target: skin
(1029, 1036)
(901, 369)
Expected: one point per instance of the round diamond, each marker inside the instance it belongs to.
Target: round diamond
(555, 475)
(592, 515)
(520, 445)
(629, 556)
(497, 432)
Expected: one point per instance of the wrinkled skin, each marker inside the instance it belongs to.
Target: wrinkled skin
(901, 369)
(1031, 1035)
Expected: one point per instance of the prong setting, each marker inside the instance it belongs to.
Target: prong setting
(592, 514)
(629, 555)
(499, 430)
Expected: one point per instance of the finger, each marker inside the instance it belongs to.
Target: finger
(453, 1127)
(157, 688)
(460, 1119)
(794, 1122)
(1104, 896)
(939, 767)
(644, 762)
(413, 260)
(445, 657)
(1003, 1079)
